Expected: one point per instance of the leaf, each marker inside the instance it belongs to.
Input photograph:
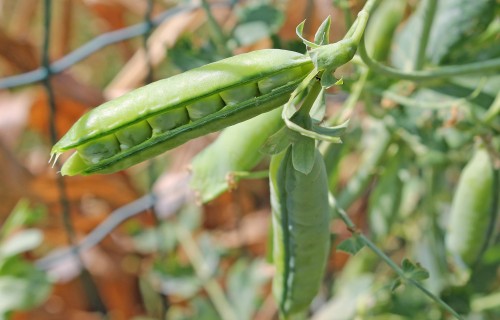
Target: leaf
(456, 22)
(322, 36)
(251, 32)
(414, 271)
(21, 215)
(303, 154)
(318, 109)
(263, 13)
(23, 292)
(185, 287)
(395, 284)
(351, 245)
(278, 142)
(299, 31)
(404, 50)
(20, 242)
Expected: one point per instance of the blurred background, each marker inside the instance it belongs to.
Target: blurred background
(169, 257)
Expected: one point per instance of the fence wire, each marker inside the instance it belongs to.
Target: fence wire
(43, 75)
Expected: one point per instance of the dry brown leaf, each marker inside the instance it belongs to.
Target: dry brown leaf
(67, 112)
(19, 53)
(13, 180)
(112, 16)
(251, 233)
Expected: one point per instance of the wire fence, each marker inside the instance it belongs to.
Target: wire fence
(43, 75)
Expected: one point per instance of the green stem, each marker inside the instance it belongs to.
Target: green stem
(493, 111)
(350, 103)
(202, 270)
(311, 97)
(343, 215)
(358, 27)
(438, 73)
(218, 34)
(240, 175)
(428, 16)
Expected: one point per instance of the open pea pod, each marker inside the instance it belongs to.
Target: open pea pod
(165, 114)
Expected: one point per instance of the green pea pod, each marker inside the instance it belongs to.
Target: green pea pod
(236, 149)
(301, 231)
(381, 28)
(473, 210)
(165, 114)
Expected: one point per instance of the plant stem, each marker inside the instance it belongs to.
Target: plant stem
(357, 29)
(202, 270)
(354, 230)
(428, 16)
(438, 73)
(350, 103)
(240, 175)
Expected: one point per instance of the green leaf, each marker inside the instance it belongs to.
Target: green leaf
(20, 242)
(351, 245)
(404, 51)
(299, 31)
(23, 292)
(414, 271)
(395, 284)
(251, 32)
(322, 35)
(303, 154)
(21, 215)
(457, 22)
(318, 109)
(278, 142)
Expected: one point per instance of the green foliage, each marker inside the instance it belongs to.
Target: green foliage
(22, 285)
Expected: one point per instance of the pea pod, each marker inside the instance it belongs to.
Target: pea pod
(162, 115)
(301, 231)
(236, 149)
(473, 210)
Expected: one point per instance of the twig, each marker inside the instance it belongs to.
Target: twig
(354, 229)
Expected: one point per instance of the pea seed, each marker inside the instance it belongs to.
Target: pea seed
(99, 149)
(168, 120)
(205, 107)
(240, 93)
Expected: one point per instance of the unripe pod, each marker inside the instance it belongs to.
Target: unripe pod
(472, 209)
(301, 231)
(210, 96)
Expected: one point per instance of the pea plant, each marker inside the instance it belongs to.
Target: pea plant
(433, 111)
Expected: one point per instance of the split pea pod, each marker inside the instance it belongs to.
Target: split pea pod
(301, 231)
(165, 114)
(473, 210)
